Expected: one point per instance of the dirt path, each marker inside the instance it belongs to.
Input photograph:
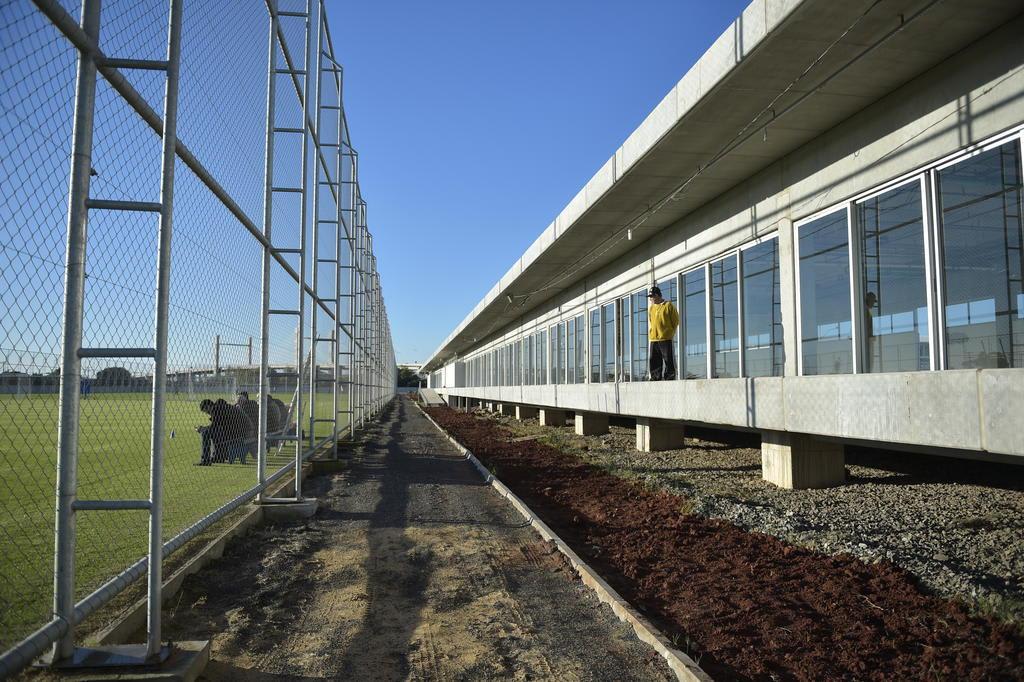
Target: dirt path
(412, 569)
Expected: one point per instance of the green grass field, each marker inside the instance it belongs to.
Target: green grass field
(113, 464)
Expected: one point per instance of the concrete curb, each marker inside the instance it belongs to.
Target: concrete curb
(682, 665)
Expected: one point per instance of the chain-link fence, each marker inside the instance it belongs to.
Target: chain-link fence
(120, 336)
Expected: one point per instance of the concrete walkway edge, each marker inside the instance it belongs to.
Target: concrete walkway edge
(682, 665)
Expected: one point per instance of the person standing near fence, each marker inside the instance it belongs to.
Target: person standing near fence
(662, 321)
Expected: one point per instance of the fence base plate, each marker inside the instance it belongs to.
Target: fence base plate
(180, 661)
(278, 509)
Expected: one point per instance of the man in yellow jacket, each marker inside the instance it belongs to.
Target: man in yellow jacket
(662, 320)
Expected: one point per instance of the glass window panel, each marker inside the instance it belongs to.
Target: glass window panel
(542, 357)
(553, 348)
(762, 310)
(625, 338)
(608, 341)
(639, 330)
(695, 349)
(668, 289)
(581, 362)
(517, 365)
(895, 339)
(570, 339)
(561, 353)
(528, 361)
(826, 346)
(725, 316)
(595, 345)
(983, 259)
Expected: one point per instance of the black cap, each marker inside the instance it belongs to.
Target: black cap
(654, 291)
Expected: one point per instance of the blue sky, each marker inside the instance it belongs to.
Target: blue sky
(476, 122)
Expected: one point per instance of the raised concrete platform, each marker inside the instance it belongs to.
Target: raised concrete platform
(654, 435)
(798, 461)
(550, 417)
(591, 423)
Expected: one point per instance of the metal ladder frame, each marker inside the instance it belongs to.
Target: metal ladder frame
(277, 41)
(67, 505)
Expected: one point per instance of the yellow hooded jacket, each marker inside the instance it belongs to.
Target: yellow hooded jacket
(662, 320)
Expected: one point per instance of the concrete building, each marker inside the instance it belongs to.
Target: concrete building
(832, 198)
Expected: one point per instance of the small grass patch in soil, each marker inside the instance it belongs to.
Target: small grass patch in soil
(750, 606)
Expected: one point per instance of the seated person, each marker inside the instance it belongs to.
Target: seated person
(273, 415)
(251, 410)
(226, 433)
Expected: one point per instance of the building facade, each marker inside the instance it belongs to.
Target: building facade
(832, 198)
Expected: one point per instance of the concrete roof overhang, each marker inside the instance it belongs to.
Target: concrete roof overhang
(798, 66)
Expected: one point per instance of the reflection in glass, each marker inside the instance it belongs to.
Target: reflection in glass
(570, 340)
(638, 308)
(982, 235)
(517, 372)
(625, 338)
(528, 361)
(608, 341)
(542, 357)
(762, 311)
(894, 299)
(694, 314)
(581, 362)
(826, 346)
(555, 365)
(595, 345)
(725, 316)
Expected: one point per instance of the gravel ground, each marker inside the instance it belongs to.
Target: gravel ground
(954, 524)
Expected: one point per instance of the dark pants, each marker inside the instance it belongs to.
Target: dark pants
(663, 362)
(207, 445)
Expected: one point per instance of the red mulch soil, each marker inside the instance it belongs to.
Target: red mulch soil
(750, 606)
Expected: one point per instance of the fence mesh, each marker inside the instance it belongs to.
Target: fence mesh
(215, 310)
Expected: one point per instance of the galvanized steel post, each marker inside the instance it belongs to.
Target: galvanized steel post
(262, 444)
(163, 293)
(71, 364)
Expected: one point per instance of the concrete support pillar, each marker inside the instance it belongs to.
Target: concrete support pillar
(552, 417)
(654, 435)
(525, 412)
(506, 410)
(798, 461)
(591, 423)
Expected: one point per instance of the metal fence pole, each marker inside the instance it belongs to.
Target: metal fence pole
(338, 227)
(313, 65)
(163, 293)
(307, 138)
(262, 445)
(71, 364)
